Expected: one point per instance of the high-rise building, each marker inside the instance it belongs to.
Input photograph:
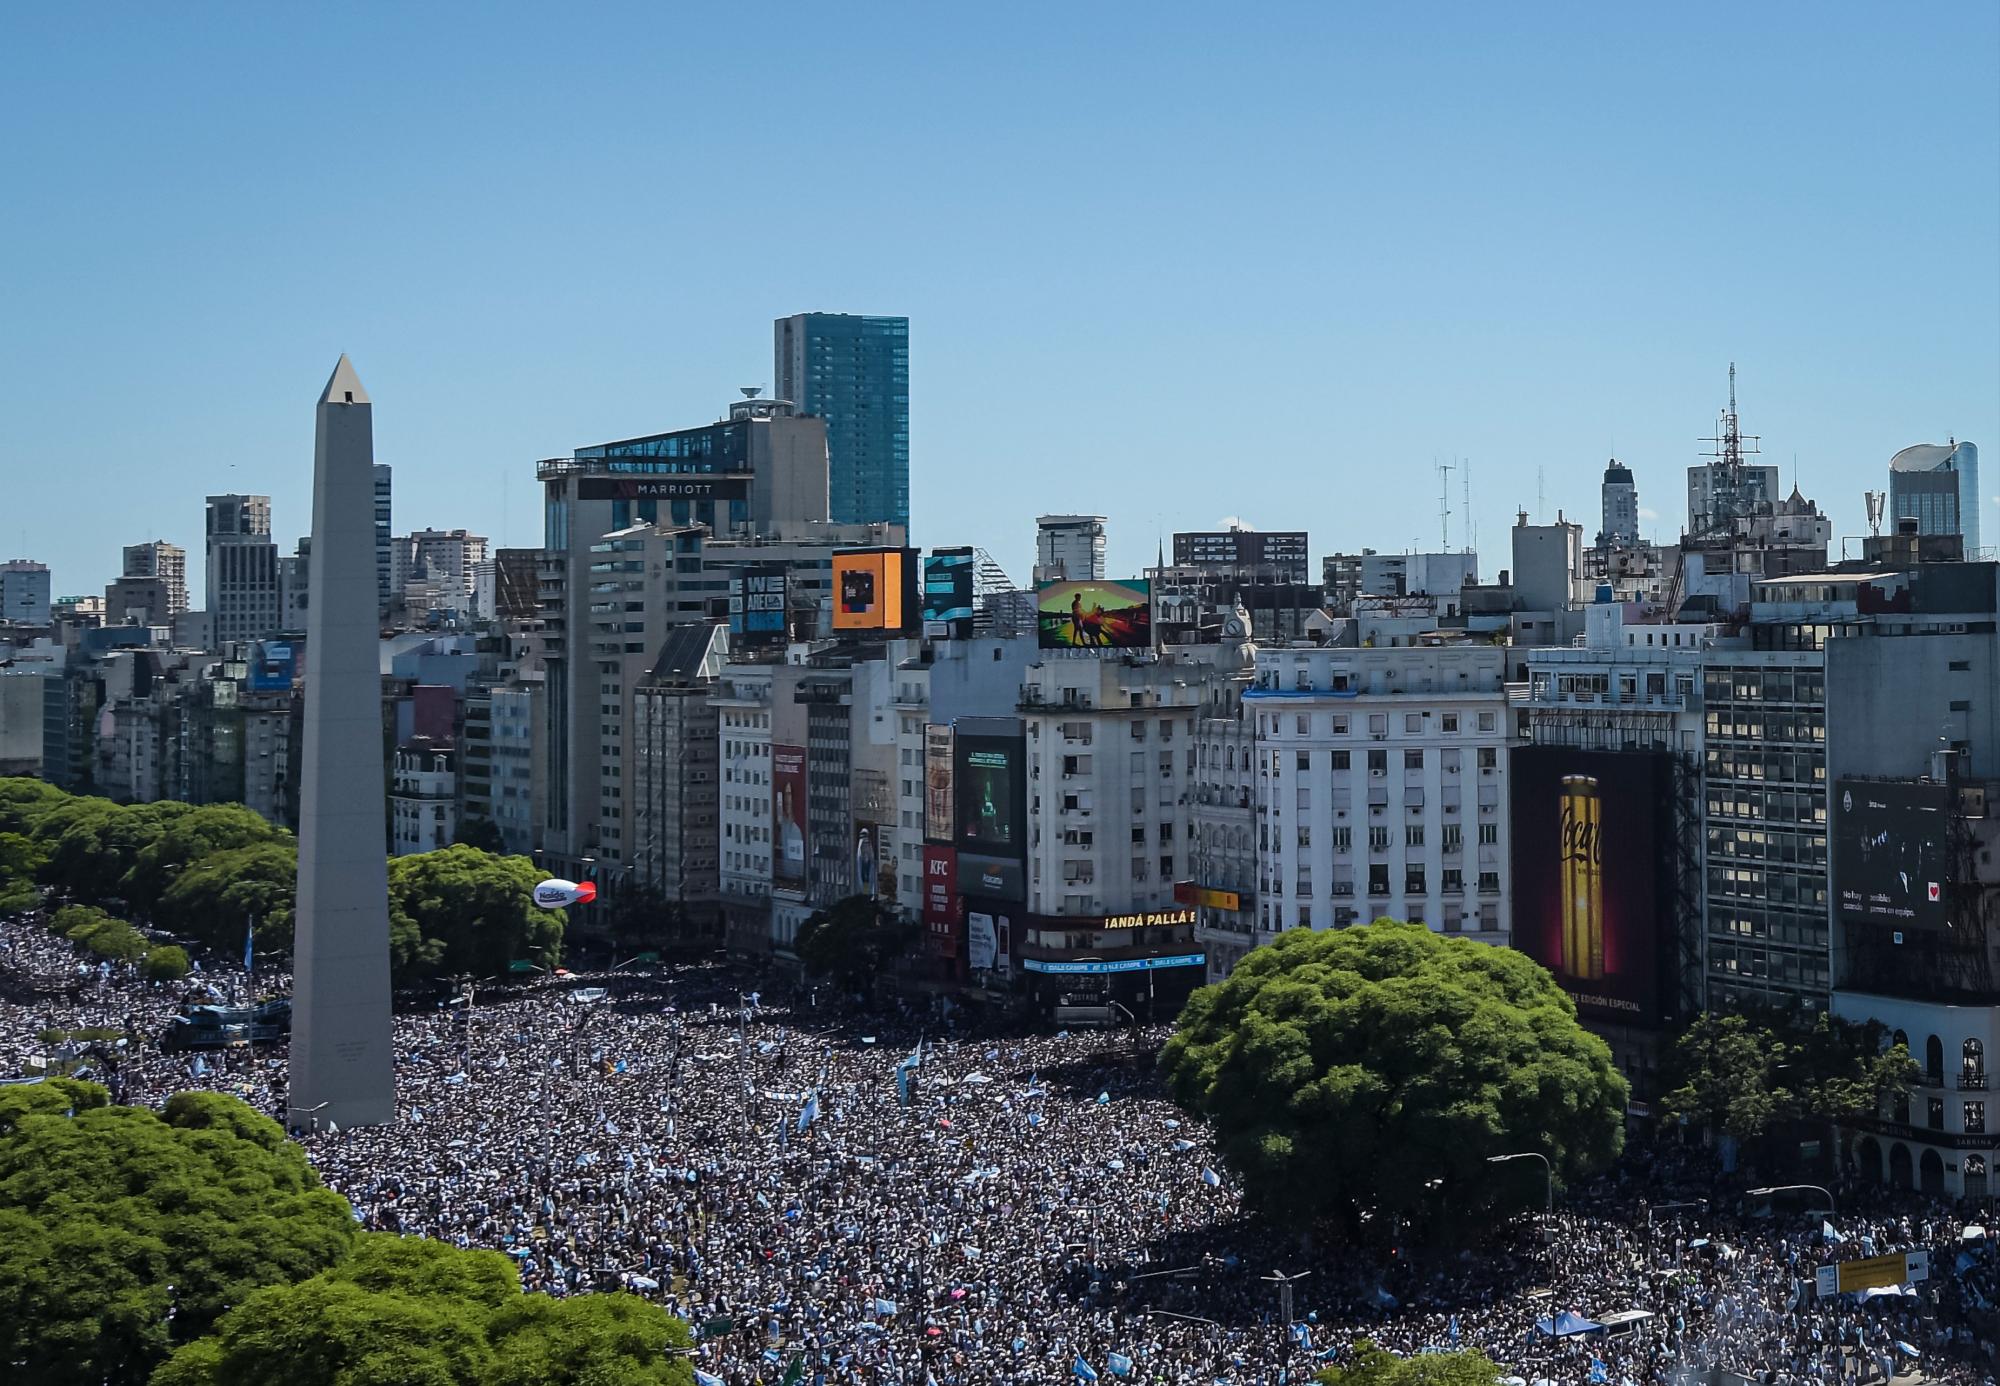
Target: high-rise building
(444, 561)
(243, 595)
(384, 518)
(854, 372)
(167, 562)
(1621, 507)
(1937, 485)
(1069, 547)
(24, 592)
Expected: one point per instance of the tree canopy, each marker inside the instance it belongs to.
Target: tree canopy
(1739, 1077)
(124, 1232)
(211, 898)
(1361, 1069)
(189, 838)
(460, 910)
(851, 940)
(1374, 1367)
(420, 1313)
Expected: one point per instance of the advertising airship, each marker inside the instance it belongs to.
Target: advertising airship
(554, 894)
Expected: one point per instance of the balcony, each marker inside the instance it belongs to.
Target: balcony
(1972, 1082)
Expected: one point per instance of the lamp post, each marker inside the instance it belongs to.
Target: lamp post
(1548, 1170)
(312, 1111)
(1831, 1206)
(1284, 1283)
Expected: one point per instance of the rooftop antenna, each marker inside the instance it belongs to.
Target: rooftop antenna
(1873, 500)
(1730, 448)
(1445, 469)
(1469, 525)
(1541, 494)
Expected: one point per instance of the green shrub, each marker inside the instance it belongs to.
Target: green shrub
(167, 964)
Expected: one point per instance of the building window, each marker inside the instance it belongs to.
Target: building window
(1489, 834)
(1488, 721)
(1448, 722)
(1489, 758)
(1378, 762)
(1378, 878)
(1343, 839)
(1413, 835)
(1413, 722)
(1303, 762)
(1378, 839)
(1413, 760)
(1378, 724)
(1937, 1114)
(1341, 760)
(1975, 1116)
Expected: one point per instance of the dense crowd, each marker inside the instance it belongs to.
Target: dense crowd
(904, 1197)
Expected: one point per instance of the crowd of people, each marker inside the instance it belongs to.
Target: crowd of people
(860, 1196)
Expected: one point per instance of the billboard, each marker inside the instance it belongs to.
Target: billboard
(982, 941)
(872, 589)
(943, 908)
(696, 488)
(938, 807)
(995, 878)
(1094, 615)
(989, 789)
(788, 816)
(947, 604)
(1592, 842)
(757, 604)
(1892, 853)
(272, 665)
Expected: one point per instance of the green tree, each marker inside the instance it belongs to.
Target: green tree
(51, 1097)
(480, 833)
(99, 842)
(124, 1232)
(461, 910)
(189, 838)
(420, 1313)
(21, 862)
(1375, 1067)
(24, 802)
(167, 964)
(852, 940)
(210, 899)
(1739, 1077)
(1374, 1367)
(97, 931)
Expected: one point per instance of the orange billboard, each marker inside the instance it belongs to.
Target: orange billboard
(871, 589)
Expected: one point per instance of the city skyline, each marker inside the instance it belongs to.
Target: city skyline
(1186, 291)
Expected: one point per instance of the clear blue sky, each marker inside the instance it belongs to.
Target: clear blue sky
(1165, 262)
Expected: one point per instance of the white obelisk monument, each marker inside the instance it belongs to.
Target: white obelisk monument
(342, 1050)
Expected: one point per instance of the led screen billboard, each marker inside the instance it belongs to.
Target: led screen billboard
(988, 785)
(938, 814)
(272, 665)
(1892, 853)
(947, 605)
(788, 817)
(1592, 841)
(872, 589)
(1094, 615)
(757, 604)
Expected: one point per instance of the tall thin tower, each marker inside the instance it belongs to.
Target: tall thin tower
(342, 1057)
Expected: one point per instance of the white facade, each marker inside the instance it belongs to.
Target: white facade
(1111, 761)
(167, 562)
(513, 757)
(1944, 1142)
(1381, 788)
(422, 800)
(742, 700)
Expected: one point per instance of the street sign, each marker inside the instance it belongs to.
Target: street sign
(1847, 1277)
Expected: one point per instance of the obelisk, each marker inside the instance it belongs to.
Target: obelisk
(342, 1049)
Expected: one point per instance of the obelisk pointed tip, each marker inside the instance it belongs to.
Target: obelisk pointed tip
(344, 386)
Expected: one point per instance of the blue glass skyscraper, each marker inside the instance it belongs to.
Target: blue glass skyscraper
(854, 372)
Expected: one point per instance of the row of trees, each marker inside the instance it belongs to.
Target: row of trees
(196, 1247)
(205, 872)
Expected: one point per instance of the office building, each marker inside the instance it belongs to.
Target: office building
(24, 592)
(244, 602)
(1937, 485)
(1347, 577)
(673, 809)
(168, 563)
(436, 569)
(1713, 499)
(384, 536)
(853, 372)
(1069, 547)
(137, 601)
(1620, 500)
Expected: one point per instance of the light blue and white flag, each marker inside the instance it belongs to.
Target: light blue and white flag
(1211, 1178)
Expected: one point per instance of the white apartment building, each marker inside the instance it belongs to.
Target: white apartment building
(513, 755)
(1225, 856)
(1381, 788)
(1111, 762)
(422, 798)
(1069, 546)
(742, 702)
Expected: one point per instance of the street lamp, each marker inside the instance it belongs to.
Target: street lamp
(1831, 1206)
(1670, 1207)
(1549, 1196)
(1284, 1283)
(312, 1112)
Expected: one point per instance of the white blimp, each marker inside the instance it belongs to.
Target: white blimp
(554, 894)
